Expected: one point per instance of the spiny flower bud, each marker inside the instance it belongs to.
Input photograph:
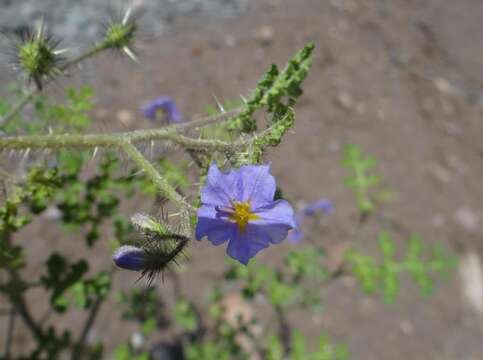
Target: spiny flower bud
(37, 55)
(147, 225)
(119, 35)
(157, 250)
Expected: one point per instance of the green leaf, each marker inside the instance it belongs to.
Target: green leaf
(149, 326)
(362, 181)
(185, 315)
(278, 91)
(61, 276)
(421, 262)
(274, 349)
(122, 352)
(298, 351)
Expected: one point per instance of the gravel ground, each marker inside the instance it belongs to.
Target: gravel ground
(81, 21)
(403, 79)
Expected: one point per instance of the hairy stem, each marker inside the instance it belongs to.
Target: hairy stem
(192, 144)
(58, 141)
(10, 330)
(79, 348)
(14, 292)
(168, 191)
(284, 329)
(84, 56)
(30, 94)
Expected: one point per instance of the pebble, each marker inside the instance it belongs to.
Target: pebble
(344, 101)
(230, 40)
(471, 274)
(444, 86)
(440, 173)
(350, 6)
(53, 213)
(428, 105)
(125, 117)
(137, 340)
(467, 218)
(101, 113)
(406, 327)
(264, 34)
(438, 220)
(452, 128)
(457, 164)
(334, 146)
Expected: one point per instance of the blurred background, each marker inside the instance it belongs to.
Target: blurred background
(403, 79)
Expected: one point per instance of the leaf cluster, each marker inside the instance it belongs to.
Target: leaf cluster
(278, 91)
(287, 285)
(298, 349)
(383, 274)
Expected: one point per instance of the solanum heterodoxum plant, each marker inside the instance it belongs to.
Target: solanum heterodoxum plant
(235, 201)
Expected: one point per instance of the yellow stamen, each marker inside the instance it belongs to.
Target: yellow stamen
(242, 214)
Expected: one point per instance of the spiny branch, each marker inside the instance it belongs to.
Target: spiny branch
(171, 133)
(30, 94)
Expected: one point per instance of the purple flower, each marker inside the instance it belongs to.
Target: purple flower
(165, 103)
(130, 258)
(238, 206)
(323, 206)
(296, 234)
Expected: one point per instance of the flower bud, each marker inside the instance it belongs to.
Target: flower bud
(130, 258)
(149, 226)
(119, 35)
(37, 55)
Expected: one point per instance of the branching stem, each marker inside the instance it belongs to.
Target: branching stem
(30, 94)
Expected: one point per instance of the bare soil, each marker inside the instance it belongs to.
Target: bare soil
(402, 79)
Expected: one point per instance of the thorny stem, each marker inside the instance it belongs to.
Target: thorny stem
(284, 329)
(170, 193)
(192, 144)
(125, 141)
(20, 305)
(30, 94)
(90, 53)
(19, 106)
(18, 301)
(10, 330)
(170, 133)
(79, 347)
(13, 290)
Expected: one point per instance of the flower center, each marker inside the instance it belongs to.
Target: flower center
(242, 214)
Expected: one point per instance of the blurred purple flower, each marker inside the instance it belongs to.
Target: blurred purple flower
(165, 103)
(295, 235)
(130, 258)
(238, 206)
(322, 206)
